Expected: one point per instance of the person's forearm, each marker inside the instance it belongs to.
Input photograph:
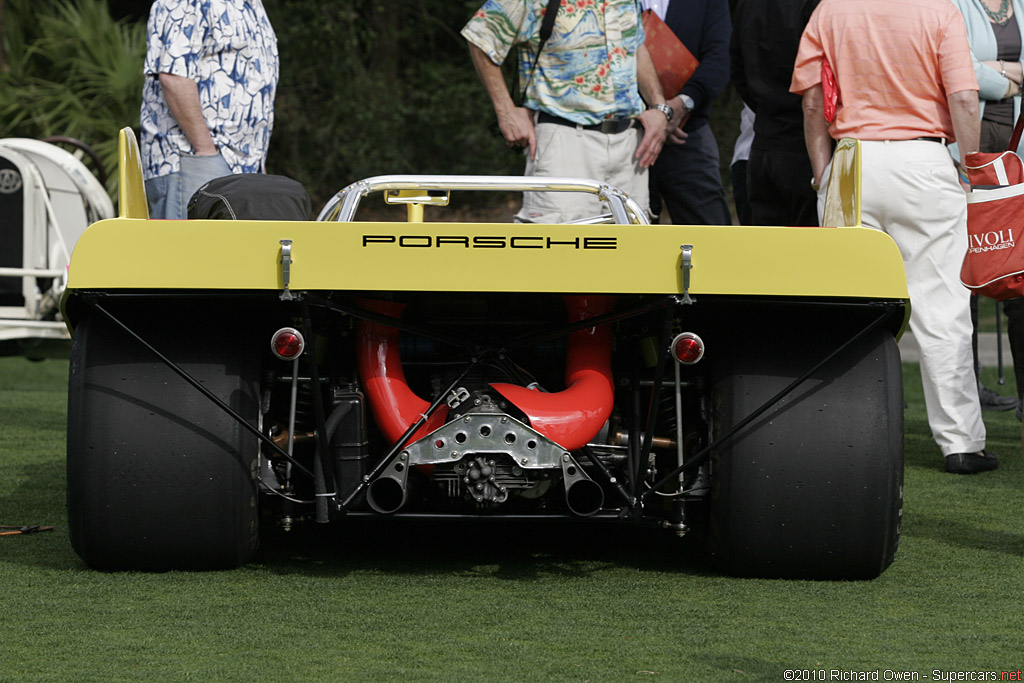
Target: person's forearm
(1011, 70)
(649, 85)
(493, 80)
(182, 95)
(515, 123)
(656, 126)
(816, 135)
(963, 107)
(647, 80)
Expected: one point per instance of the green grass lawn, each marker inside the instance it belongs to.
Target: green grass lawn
(464, 602)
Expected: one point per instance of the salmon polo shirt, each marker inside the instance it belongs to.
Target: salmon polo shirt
(895, 62)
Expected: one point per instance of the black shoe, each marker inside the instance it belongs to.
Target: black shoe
(971, 463)
(990, 400)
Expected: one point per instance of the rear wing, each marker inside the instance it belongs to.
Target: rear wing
(132, 252)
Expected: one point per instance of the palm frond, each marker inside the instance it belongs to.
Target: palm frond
(78, 73)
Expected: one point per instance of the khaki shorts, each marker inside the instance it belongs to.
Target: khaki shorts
(566, 151)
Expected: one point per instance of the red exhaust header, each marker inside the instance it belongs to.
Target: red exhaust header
(570, 418)
(395, 406)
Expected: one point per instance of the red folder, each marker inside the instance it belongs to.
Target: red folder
(673, 62)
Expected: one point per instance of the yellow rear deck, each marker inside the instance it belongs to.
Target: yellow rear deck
(132, 252)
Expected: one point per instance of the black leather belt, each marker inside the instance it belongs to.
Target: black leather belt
(611, 126)
(941, 141)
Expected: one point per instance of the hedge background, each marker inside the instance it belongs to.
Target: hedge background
(366, 88)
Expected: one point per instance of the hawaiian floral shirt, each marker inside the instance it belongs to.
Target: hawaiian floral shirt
(230, 49)
(587, 71)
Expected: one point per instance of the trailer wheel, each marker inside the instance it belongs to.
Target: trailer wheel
(158, 476)
(813, 488)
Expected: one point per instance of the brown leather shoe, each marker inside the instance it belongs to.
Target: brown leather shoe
(971, 463)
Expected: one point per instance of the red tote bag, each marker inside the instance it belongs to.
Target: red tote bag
(994, 263)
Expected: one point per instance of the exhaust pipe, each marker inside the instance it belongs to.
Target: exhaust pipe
(584, 497)
(389, 491)
(386, 495)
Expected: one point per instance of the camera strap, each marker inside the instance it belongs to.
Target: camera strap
(547, 25)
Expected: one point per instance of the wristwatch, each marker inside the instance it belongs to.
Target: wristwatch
(664, 109)
(687, 102)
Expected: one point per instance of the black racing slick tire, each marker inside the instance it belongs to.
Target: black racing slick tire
(158, 476)
(813, 488)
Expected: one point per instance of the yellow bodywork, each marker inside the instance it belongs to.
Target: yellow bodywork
(132, 252)
(842, 203)
(131, 188)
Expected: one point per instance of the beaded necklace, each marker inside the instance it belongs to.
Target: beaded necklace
(1000, 16)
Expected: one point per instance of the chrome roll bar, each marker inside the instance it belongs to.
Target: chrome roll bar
(624, 209)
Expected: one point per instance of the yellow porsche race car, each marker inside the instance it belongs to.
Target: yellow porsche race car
(742, 384)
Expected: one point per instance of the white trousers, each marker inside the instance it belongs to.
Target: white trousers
(910, 191)
(567, 151)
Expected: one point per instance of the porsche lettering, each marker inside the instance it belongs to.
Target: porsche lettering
(490, 242)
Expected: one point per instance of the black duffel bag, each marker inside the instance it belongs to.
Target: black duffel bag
(251, 196)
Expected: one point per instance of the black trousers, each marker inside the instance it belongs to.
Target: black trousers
(1014, 310)
(779, 185)
(739, 192)
(687, 182)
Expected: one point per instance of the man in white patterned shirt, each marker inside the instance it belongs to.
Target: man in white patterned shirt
(208, 101)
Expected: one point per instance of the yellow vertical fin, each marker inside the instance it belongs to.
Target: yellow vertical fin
(132, 189)
(842, 201)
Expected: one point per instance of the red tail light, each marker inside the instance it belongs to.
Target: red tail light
(687, 348)
(287, 343)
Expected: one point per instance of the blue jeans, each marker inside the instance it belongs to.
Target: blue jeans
(168, 195)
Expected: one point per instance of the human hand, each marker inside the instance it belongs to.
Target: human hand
(678, 136)
(655, 131)
(517, 128)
